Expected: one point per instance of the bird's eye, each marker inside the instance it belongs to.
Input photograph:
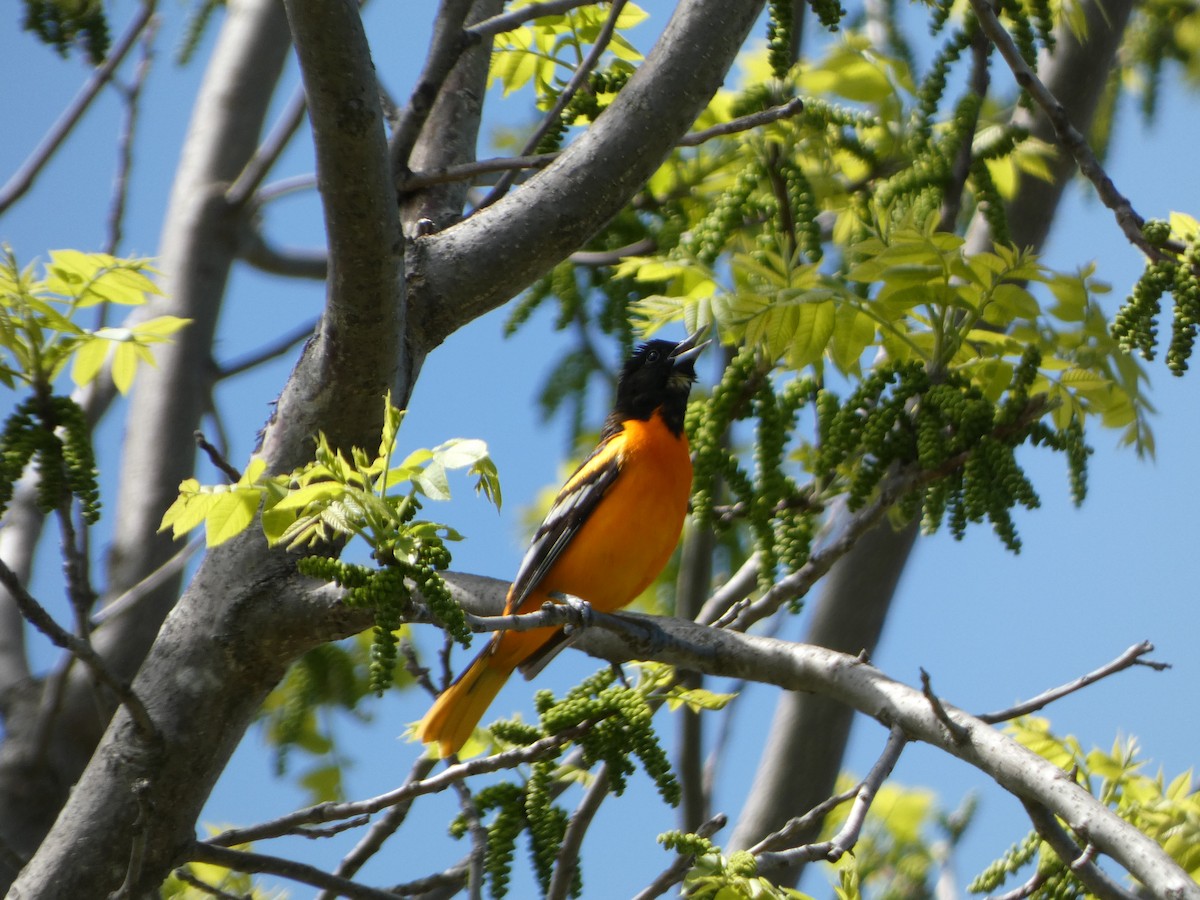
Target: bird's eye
(653, 356)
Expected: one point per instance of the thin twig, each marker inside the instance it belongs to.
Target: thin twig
(188, 878)
(1022, 891)
(447, 45)
(453, 879)
(144, 588)
(674, 873)
(578, 78)
(463, 171)
(644, 247)
(479, 841)
(1131, 657)
(378, 833)
(1068, 135)
(245, 861)
(514, 18)
(131, 96)
(956, 731)
(847, 836)
(255, 250)
(24, 177)
(1079, 861)
(567, 861)
(332, 811)
(793, 828)
(37, 616)
(793, 107)
(960, 168)
(216, 458)
(724, 606)
(268, 153)
(268, 352)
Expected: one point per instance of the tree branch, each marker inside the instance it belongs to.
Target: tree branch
(845, 840)
(1131, 657)
(245, 861)
(514, 18)
(447, 45)
(1080, 862)
(265, 157)
(567, 861)
(330, 811)
(513, 241)
(578, 77)
(1069, 136)
(37, 616)
(373, 840)
(24, 177)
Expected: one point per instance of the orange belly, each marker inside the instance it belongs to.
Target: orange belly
(633, 532)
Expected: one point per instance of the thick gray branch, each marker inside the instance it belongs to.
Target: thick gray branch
(520, 237)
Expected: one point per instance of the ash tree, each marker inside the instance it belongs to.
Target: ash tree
(855, 210)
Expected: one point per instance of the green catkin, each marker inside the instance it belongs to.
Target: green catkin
(707, 238)
(803, 203)
(706, 423)
(1017, 856)
(830, 12)
(546, 822)
(779, 37)
(509, 821)
(1134, 327)
(989, 202)
(1043, 20)
(685, 843)
(933, 86)
(1186, 290)
(81, 472)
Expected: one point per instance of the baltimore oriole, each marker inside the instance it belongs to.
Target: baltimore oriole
(610, 532)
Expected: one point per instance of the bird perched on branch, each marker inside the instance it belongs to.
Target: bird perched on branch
(610, 532)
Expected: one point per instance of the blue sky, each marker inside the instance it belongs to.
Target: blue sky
(990, 627)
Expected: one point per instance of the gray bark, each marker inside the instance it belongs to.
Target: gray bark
(45, 751)
(243, 619)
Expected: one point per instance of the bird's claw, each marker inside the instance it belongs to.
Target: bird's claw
(577, 613)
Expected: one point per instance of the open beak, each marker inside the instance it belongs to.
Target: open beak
(689, 348)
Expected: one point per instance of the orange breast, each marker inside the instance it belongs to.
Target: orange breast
(629, 537)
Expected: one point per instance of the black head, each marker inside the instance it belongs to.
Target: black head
(659, 375)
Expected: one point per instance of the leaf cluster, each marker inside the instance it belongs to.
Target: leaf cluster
(1167, 811)
(62, 24)
(339, 496)
(40, 336)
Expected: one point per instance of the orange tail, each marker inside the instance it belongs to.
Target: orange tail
(459, 708)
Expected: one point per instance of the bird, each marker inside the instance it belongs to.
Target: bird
(610, 531)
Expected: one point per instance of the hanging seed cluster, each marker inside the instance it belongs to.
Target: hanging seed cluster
(53, 433)
(387, 592)
(620, 733)
(1136, 323)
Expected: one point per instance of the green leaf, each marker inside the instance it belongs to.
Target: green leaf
(230, 515)
(432, 482)
(853, 332)
(459, 453)
(814, 327)
(88, 360)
